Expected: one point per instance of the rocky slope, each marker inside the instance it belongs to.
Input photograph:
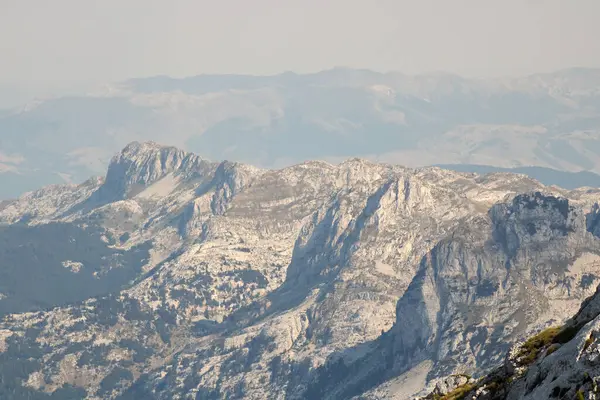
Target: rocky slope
(175, 278)
(559, 362)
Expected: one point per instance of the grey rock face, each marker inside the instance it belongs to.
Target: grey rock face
(449, 384)
(141, 164)
(313, 281)
(559, 362)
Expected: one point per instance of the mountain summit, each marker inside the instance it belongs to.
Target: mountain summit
(142, 164)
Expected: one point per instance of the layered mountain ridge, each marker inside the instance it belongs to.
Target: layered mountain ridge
(544, 120)
(177, 277)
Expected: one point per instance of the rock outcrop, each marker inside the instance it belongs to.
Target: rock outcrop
(559, 362)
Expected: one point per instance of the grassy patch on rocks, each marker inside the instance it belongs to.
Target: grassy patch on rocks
(459, 393)
(531, 349)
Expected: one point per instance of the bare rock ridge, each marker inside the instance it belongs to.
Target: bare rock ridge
(176, 277)
(141, 164)
(480, 289)
(557, 362)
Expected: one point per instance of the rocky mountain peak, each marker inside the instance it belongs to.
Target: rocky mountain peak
(141, 164)
(135, 148)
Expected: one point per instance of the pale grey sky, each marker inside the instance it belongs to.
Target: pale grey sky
(63, 43)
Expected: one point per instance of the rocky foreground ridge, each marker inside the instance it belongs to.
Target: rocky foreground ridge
(178, 278)
(560, 362)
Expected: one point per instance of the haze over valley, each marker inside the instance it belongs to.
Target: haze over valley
(299, 200)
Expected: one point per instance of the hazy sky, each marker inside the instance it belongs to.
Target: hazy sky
(63, 43)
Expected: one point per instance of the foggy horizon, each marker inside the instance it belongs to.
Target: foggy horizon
(66, 45)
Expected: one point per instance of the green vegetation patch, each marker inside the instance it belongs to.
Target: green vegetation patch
(459, 393)
(588, 342)
(531, 349)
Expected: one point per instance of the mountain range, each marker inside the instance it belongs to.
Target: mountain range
(544, 120)
(175, 277)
